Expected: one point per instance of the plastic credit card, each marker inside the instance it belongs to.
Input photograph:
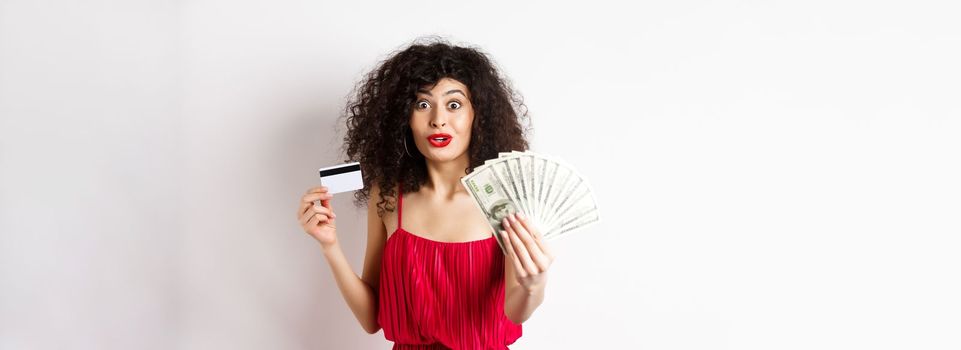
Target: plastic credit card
(342, 178)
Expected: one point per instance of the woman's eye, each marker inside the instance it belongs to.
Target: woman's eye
(423, 104)
(454, 105)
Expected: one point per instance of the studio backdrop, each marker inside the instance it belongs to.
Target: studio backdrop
(771, 175)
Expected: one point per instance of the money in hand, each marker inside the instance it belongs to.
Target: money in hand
(554, 196)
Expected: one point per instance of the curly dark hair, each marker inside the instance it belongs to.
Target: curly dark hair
(379, 109)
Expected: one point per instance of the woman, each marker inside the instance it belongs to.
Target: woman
(434, 275)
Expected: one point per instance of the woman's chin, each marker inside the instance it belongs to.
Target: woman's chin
(443, 156)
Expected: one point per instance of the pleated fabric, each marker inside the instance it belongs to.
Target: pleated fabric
(443, 295)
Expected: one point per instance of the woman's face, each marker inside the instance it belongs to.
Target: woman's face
(441, 120)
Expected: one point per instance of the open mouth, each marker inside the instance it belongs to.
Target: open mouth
(439, 140)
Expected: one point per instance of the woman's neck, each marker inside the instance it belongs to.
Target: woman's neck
(443, 178)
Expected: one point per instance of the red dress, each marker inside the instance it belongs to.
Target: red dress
(443, 295)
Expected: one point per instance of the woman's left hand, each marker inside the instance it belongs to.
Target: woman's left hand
(527, 251)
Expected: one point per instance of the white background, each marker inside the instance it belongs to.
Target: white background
(772, 174)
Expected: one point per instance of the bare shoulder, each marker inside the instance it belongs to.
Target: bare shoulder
(376, 240)
(389, 220)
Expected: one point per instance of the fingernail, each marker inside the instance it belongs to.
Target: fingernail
(521, 215)
(507, 223)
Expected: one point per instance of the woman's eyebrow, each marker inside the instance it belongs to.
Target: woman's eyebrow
(445, 94)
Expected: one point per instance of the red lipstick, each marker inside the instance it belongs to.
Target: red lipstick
(439, 140)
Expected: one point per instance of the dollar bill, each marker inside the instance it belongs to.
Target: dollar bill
(556, 198)
(491, 197)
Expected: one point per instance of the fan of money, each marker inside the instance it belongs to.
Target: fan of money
(555, 197)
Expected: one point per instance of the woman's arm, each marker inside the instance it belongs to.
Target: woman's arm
(361, 293)
(520, 303)
(525, 268)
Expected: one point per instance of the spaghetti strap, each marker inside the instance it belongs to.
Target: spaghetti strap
(424, 288)
(400, 203)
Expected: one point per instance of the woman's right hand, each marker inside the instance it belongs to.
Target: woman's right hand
(318, 221)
